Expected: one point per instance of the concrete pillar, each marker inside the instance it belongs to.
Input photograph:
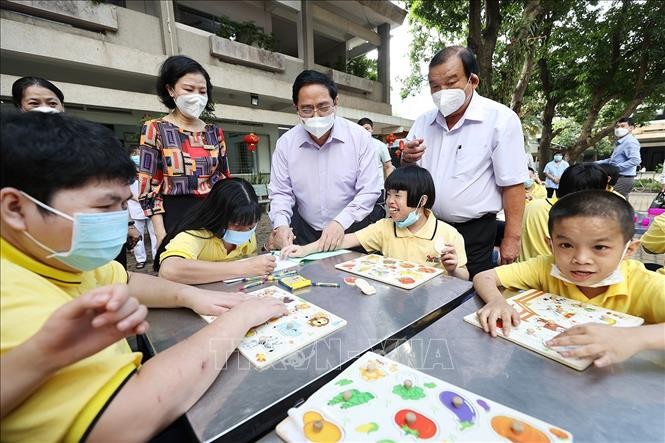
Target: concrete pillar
(306, 34)
(166, 14)
(383, 68)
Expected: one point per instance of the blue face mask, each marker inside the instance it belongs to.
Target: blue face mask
(97, 237)
(238, 237)
(136, 159)
(528, 183)
(558, 158)
(411, 218)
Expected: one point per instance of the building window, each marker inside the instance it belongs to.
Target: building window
(241, 161)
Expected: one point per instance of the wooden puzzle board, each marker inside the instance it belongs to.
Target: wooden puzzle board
(546, 315)
(274, 340)
(370, 401)
(400, 273)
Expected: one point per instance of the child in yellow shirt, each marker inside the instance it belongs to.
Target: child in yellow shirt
(653, 241)
(207, 243)
(591, 233)
(411, 232)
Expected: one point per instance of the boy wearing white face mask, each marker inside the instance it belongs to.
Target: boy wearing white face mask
(626, 155)
(591, 236)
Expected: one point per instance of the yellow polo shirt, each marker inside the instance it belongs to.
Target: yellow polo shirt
(64, 406)
(534, 229)
(203, 245)
(400, 243)
(537, 192)
(642, 292)
(653, 240)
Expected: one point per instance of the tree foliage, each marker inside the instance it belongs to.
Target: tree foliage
(588, 63)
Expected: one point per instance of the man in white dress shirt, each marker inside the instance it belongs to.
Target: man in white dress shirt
(474, 149)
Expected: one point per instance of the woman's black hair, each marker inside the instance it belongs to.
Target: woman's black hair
(416, 181)
(232, 201)
(172, 70)
(23, 83)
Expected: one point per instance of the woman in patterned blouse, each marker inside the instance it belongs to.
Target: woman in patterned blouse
(181, 157)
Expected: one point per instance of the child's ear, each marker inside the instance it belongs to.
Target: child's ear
(548, 242)
(12, 210)
(423, 201)
(632, 248)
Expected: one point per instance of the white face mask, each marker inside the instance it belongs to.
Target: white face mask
(191, 105)
(450, 100)
(317, 126)
(620, 132)
(45, 109)
(612, 279)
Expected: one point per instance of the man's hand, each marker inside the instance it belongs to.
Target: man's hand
(331, 237)
(605, 344)
(510, 249)
(413, 150)
(292, 251)
(497, 310)
(88, 324)
(556, 180)
(206, 302)
(281, 237)
(133, 237)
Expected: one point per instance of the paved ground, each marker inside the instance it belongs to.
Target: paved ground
(640, 202)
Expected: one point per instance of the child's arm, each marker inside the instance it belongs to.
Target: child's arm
(160, 293)
(76, 330)
(449, 262)
(172, 381)
(182, 270)
(349, 241)
(487, 285)
(608, 345)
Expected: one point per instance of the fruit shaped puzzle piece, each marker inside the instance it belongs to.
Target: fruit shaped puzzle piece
(317, 429)
(415, 424)
(517, 431)
(463, 410)
(365, 287)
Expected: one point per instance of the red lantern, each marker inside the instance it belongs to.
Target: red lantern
(252, 140)
(390, 138)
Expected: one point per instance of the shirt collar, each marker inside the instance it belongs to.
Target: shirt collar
(339, 133)
(60, 277)
(474, 111)
(426, 232)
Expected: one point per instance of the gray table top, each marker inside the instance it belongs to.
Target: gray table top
(624, 402)
(243, 400)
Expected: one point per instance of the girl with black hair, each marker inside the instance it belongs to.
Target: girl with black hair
(206, 244)
(411, 232)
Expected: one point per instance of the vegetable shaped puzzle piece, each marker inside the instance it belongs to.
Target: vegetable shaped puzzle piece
(350, 398)
(463, 410)
(415, 424)
(365, 287)
(517, 431)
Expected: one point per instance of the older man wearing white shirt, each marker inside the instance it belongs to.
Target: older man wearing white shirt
(474, 149)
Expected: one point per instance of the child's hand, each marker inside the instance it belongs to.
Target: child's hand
(259, 310)
(292, 251)
(449, 258)
(605, 344)
(90, 323)
(497, 310)
(260, 265)
(206, 302)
